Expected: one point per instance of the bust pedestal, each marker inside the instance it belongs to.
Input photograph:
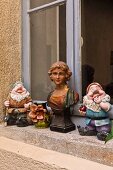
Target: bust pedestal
(61, 122)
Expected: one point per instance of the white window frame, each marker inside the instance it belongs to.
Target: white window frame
(73, 37)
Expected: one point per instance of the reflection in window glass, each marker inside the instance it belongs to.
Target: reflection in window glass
(48, 44)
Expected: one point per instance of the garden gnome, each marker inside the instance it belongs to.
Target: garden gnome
(96, 106)
(62, 99)
(17, 106)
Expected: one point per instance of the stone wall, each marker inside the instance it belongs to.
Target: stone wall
(10, 47)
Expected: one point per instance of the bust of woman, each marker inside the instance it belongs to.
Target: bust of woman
(62, 98)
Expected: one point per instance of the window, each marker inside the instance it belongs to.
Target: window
(48, 44)
(51, 32)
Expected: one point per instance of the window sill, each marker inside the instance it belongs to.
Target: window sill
(69, 143)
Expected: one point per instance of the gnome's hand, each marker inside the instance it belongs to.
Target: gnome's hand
(82, 110)
(97, 99)
(27, 105)
(6, 103)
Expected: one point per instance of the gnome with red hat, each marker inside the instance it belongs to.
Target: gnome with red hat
(97, 105)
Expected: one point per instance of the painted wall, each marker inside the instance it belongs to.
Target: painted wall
(10, 47)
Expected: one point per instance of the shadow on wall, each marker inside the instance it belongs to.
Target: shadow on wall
(87, 77)
(109, 90)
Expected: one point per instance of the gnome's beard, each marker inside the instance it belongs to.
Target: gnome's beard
(18, 97)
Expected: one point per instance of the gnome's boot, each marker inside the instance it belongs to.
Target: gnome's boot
(102, 135)
(85, 131)
(10, 119)
(22, 120)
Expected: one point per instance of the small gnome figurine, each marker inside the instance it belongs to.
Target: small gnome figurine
(39, 116)
(96, 107)
(17, 106)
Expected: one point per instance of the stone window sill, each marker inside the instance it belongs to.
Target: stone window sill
(72, 143)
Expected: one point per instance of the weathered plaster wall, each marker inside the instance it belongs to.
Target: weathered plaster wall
(10, 47)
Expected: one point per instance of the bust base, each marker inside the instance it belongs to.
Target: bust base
(63, 129)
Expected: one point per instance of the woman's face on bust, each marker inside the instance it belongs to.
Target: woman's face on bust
(58, 76)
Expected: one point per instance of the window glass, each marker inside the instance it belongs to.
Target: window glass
(48, 44)
(97, 49)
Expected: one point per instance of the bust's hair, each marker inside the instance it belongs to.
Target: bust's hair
(60, 65)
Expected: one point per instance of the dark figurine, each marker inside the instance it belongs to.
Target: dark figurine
(17, 106)
(62, 98)
(95, 106)
(39, 115)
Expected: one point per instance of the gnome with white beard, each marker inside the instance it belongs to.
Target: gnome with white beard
(17, 106)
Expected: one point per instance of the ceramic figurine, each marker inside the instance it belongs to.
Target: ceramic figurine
(96, 107)
(39, 115)
(62, 99)
(110, 136)
(17, 106)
